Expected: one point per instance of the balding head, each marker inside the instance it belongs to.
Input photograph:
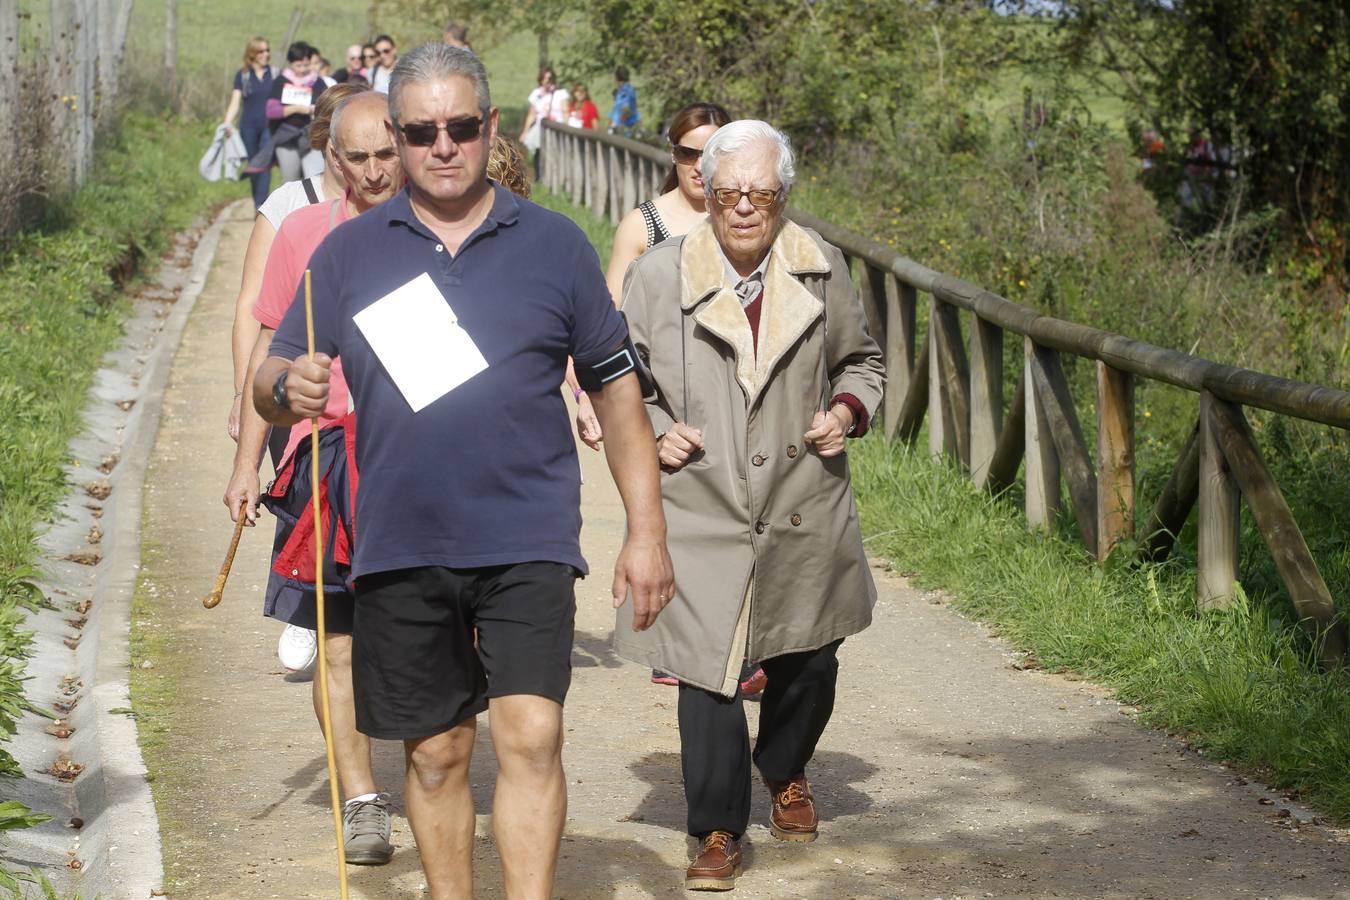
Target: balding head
(359, 111)
(362, 147)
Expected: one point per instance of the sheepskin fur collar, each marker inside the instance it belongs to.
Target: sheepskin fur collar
(787, 310)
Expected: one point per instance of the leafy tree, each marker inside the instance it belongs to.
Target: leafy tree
(824, 71)
(1272, 80)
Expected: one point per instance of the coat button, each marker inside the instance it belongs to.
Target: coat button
(759, 528)
(792, 451)
(795, 520)
(758, 459)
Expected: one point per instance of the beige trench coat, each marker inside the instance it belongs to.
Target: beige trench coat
(763, 532)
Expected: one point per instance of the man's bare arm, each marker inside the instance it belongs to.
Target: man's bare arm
(306, 388)
(644, 566)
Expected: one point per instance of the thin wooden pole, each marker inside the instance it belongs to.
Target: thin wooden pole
(1175, 503)
(901, 304)
(319, 613)
(940, 437)
(1115, 459)
(1218, 538)
(986, 396)
(1042, 461)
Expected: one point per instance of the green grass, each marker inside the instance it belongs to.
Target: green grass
(60, 311)
(1240, 685)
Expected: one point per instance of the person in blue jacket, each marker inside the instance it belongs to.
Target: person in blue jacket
(624, 117)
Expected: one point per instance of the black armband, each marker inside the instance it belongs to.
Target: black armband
(615, 366)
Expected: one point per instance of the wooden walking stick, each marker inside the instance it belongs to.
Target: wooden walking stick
(213, 598)
(318, 604)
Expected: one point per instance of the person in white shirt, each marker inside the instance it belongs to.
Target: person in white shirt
(547, 101)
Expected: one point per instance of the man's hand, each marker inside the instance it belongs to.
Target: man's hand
(243, 488)
(588, 426)
(232, 423)
(829, 429)
(644, 568)
(307, 385)
(677, 445)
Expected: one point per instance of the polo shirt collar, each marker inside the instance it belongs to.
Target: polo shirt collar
(505, 210)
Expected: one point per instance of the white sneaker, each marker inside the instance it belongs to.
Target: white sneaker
(297, 648)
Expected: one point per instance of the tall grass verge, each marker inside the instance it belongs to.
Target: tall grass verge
(61, 309)
(1241, 685)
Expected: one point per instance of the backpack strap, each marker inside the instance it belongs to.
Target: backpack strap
(310, 193)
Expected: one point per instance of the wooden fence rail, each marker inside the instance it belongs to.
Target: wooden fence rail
(956, 380)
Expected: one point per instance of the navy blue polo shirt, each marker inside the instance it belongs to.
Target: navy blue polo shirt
(487, 474)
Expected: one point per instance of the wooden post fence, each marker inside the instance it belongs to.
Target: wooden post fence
(955, 380)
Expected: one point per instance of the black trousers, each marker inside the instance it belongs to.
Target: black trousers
(715, 741)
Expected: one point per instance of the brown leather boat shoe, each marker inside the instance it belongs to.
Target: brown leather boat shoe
(794, 811)
(717, 864)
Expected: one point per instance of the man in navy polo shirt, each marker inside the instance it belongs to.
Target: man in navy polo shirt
(454, 307)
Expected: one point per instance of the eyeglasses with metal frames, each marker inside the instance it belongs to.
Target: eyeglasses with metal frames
(760, 198)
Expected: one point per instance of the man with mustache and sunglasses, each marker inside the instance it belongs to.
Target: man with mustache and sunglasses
(362, 148)
(454, 307)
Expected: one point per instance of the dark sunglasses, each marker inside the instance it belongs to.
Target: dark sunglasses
(461, 131)
(370, 56)
(686, 155)
(759, 199)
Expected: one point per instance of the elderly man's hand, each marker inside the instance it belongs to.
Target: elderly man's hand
(307, 385)
(829, 429)
(677, 445)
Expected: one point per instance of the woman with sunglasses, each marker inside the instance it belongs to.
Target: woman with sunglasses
(252, 86)
(678, 209)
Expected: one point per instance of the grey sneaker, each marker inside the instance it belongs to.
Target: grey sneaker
(365, 831)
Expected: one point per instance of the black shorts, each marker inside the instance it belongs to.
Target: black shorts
(415, 671)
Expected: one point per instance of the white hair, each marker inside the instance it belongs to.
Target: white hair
(734, 137)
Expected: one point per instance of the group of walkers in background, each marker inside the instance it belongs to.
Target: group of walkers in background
(275, 107)
(457, 601)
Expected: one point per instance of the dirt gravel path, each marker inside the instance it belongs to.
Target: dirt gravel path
(945, 772)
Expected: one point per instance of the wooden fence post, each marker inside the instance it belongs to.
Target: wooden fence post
(171, 50)
(86, 79)
(1298, 570)
(12, 86)
(986, 396)
(1115, 458)
(950, 350)
(1218, 538)
(577, 168)
(898, 353)
(940, 438)
(114, 20)
(615, 177)
(630, 183)
(64, 94)
(1175, 503)
(1052, 392)
(1042, 481)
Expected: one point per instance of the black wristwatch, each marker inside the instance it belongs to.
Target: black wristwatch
(279, 392)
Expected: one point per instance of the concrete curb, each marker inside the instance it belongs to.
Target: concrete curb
(103, 840)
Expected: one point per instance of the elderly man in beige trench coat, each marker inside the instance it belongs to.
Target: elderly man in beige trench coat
(756, 341)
